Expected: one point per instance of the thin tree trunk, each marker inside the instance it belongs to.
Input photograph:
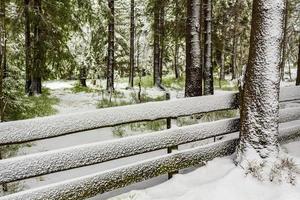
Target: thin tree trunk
(208, 69)
(132, 43)
(111, 47)
(234, 46)
(222, 70)
(27, 47)
(298, 71)
(83, 76)
(260, 95)
(36, 79)
(284, 42)
(2, 66)
(161, 37)
(156, 45)
(193, 85)
(2, 52)
(176, 51)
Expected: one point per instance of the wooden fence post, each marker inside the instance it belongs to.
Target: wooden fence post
(173, 148)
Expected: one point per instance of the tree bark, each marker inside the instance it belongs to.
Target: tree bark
(111, 47)
(298, 70)
(208, 68)
(284, 42)
(36, 78)
(260, 95)
(161, 37)
(27, 47)
(132, 43)
(234, 42)
(193, 85)
(156, 45)
(2, 56)
(176, 46)
(83, 76)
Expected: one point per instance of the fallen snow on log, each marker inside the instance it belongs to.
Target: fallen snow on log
(220, 179)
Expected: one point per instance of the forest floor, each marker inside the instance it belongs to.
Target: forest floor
(73, 98)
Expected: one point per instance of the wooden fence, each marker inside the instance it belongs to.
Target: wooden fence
(33, 165)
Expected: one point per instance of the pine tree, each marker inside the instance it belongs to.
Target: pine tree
(111, 47)
(208, 68)
(193, 86)
(37, 67)
(132, 43)
(27, 47)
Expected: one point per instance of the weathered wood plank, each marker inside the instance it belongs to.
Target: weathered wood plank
(59, 160)
(48, 127)
(88, 186)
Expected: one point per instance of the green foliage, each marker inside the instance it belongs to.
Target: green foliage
(172, 82)
(20, 106)
(36, 106)
(78, 89)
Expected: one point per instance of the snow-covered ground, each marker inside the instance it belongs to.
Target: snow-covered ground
(220, 179)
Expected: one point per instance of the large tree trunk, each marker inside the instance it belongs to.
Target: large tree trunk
(298, 71)
(132, 43)
(260, 96)
(27, 47)
(208, 69)
(193, 85)
(111, 47)
(36, 78)
(284, 42)
(156, 45)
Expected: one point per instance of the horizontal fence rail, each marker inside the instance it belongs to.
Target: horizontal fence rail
(48, 127)
(63, 159)
(98, 183)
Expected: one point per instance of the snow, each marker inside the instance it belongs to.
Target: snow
(220, 179)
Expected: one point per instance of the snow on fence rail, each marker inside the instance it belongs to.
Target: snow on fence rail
(48, 127)
(98, 183)
(79, 156)
(28, 166)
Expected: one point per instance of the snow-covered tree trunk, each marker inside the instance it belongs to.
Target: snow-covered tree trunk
(132, 38)
(161, 37)
(208, 68)
(111, 47)
(156, 44)
(193, 84)
(260, 96)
